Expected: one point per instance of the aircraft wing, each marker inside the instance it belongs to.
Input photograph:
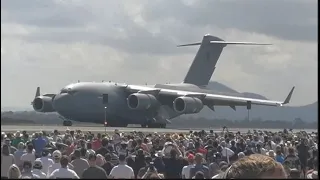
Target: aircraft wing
(211, 99)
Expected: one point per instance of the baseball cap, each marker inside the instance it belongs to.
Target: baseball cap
(56, 154)
(37, 164)
(190, 157)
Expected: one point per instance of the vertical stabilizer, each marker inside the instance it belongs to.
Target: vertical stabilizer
(37, 92)
(205, 61)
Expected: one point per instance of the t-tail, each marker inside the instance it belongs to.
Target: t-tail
(205, 61)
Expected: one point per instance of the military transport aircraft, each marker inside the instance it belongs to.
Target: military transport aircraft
(149, 106)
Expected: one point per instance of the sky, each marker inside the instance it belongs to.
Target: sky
(53, 43)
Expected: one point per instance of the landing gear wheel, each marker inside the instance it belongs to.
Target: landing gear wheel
(118, 124)
(67, 123)
(163, 125)
(143, 125)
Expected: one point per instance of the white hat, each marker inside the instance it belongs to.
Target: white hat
(159, 154)
(270, 153)
(313, 175)
(56, 154)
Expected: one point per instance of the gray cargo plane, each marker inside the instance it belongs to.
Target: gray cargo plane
(149, 106)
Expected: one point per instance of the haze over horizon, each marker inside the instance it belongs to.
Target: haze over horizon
(53, 43)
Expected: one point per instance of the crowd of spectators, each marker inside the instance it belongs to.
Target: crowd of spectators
(137, 155)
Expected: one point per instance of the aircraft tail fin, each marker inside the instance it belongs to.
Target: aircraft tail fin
(37, 92)
(205, 61)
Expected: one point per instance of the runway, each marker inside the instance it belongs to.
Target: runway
(101, 129)
(96, 129)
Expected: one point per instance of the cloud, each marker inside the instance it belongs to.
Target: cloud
(55, 42)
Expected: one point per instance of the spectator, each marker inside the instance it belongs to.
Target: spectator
(103, 150)
(57, 162)
(255, 166)
(14, 172)
(39, 144)
(27, 171)
(17, 139)
(17, 155)
(173, 165)
(46, 162)
(89, 149)
(37, 169)
(7, 160)
(199, 166)
(29, 156)
(185, 174)
(122, 171)
(94, 171)
(79, 163)
(64, 171)
(107, 166)
(144, 169)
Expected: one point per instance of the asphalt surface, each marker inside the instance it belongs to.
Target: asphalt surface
(12, 128)
(101, 129)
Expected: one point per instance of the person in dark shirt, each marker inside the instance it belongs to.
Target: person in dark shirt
(303, 154)
(94, 171)
(173, 166)
(144, 169)
(108, 165)
(103, 150)
(292, 161)
(139, 162)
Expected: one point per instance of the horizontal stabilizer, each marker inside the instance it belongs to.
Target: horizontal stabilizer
(227, 43)
(192, 44)
(238, 43)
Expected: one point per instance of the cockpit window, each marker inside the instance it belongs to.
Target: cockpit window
(63, 91)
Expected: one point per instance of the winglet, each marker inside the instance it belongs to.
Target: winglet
(37, 92)
(287, 100)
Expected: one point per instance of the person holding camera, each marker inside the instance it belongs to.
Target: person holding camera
(152, 173)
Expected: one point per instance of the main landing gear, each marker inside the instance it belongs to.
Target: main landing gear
(154, 125)
(67, 123)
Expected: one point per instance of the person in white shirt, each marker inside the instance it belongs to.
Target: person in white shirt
(46, 162)
(64, 171)
(37, 169)
(186, 169)
(226, 152)
(29, 156)
(122, 171)
(56, 155)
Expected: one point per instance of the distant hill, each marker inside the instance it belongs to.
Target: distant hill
(308, 113)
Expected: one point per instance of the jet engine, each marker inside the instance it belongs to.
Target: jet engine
(187, 105)
(139, 101)
(43, 104)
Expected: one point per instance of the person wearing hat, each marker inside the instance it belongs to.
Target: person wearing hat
(37, 169)
(63, 171)
(185, 174)
(46, 161)
(271, 154)
(56, 156)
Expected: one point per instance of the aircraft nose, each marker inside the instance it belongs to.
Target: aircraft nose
(62, 102)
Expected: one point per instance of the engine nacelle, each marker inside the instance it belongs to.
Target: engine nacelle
(43, 104)
(187, 105)
(139, 101)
